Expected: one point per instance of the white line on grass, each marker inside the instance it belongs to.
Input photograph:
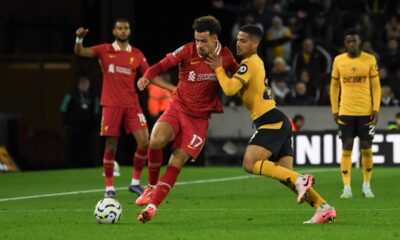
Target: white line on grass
(178, 183)
(208, 210)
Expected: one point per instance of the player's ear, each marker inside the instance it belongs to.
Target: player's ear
(214, 37)
(255, 42)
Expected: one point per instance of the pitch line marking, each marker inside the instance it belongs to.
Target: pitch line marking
(286, 210)
(178, 183)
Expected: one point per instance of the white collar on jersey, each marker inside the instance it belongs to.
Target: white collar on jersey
(117, 48)
(216, 51)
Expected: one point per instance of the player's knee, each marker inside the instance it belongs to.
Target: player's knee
(143, 144)
(158, 142)
(348, 144)
(248, 165)
(365, 144)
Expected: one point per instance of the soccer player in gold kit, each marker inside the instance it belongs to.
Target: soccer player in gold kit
(269, 152)
(355, 98)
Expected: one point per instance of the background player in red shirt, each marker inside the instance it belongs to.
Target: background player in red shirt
(120, 63)
(185, 122)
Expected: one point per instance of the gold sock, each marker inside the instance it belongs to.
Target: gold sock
(345, 166)
(367, 164)
(312, 197)
(270, 169)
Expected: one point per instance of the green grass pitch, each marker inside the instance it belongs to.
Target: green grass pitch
(244, 208)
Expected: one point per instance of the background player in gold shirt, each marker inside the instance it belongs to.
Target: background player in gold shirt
(269, 152)
(355, 99)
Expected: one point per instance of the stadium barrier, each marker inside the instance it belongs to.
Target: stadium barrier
(311, 148)
(325, 149)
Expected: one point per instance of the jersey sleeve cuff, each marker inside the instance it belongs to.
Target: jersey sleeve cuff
(219, 70)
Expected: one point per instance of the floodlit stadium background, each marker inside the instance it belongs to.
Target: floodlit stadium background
(37, 69)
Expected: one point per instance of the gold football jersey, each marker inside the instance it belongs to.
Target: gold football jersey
(355, 87)
(255, 94)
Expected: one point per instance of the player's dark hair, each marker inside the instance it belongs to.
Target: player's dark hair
(351, 31)
(124, 20)
(252, 30)
(207, 24)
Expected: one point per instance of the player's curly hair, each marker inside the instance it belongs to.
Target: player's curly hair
(207, 23)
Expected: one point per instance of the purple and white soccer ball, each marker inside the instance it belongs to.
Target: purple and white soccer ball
(108, 210)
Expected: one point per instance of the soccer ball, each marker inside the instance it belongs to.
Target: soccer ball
(108, 210)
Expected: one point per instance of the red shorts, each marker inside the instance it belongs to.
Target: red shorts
(190, 132)
(133, 120)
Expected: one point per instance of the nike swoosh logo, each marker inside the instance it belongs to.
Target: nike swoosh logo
(325, 215)
(194, 62)
(308, 179)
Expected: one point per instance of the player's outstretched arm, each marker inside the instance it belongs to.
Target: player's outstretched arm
(152, 75)
(230, 86)
(163, 84)
(143, 82)
(79, 49)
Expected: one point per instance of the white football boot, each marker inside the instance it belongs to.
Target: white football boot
(346, 192)
(366, 190)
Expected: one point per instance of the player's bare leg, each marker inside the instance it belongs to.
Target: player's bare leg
(367, 165)
(345, 167)
(108, 164)
(167, 181)
(142, 140)
(161, 135)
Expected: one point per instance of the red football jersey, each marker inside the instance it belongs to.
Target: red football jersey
(198, 87)
(119, 74)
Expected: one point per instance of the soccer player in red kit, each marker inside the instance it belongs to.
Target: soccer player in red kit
(120, 63)
(185, 122)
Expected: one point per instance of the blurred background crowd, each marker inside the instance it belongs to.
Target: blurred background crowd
(302, 37)
(49, 107)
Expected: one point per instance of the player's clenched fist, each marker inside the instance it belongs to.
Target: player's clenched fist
(142, 83)
(81, 32)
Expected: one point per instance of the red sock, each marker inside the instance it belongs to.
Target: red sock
(139, 161)
(165, 184)
(155, 163)
(108, 164)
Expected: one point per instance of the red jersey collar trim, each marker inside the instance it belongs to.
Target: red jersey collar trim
(117, 48)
